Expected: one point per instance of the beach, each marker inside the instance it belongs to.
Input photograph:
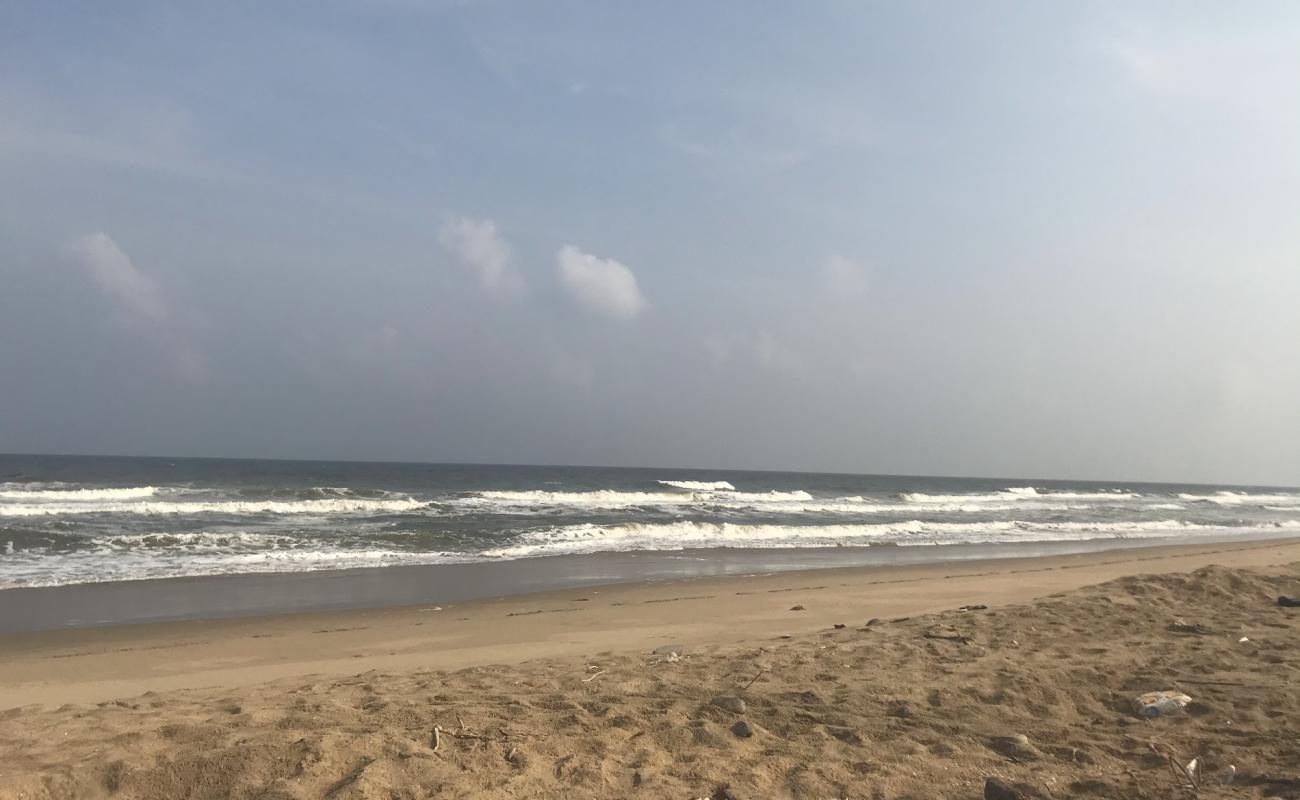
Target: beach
(561, 693)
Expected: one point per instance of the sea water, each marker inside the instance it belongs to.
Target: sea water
(71, 519)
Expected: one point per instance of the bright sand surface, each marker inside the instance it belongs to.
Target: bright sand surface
(262, 707)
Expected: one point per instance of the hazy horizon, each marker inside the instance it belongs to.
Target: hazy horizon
(1049, 241)
(1064, 479)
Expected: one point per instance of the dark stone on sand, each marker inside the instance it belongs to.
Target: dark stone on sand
(1288, 602)
(873, 621)
(839, 626)
(998, 789)
(729, 702)
(798, 608)
(844, 734)
(1015, 746)
(742, 729)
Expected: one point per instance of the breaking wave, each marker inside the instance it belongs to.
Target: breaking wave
(228, 507)
(608, 498)
(1020, 493)
(102, 566)
(10, 493)
(700, 486)
(590, 538)
(1226, 498)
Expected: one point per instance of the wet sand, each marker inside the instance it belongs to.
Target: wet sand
(229, 596)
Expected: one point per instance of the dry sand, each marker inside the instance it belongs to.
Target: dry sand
(344, 705)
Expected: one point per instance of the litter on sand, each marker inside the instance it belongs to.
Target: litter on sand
(1157, 704)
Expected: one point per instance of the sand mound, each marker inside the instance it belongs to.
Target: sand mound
(1039, 694)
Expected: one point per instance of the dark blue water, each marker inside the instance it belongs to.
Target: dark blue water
(70, 519)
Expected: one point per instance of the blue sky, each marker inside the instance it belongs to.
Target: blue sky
(993, 239)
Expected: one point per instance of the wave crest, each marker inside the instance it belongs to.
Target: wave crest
(232, 507)
(700, 486)
(126, 493)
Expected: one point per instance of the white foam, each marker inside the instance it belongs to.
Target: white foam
(601, 498)
(700, 486)
(217, 541)
(26, 569)
(771, 502)
(1017, 494)
(1226, 498)
(609, 498)
(229, 507)
(77, 494)
(589, 538)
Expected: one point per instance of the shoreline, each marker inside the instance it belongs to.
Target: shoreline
(234, 596)
(97, 664)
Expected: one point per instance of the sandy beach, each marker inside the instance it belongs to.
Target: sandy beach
(561, 694)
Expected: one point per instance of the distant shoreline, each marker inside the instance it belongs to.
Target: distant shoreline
(238, 596)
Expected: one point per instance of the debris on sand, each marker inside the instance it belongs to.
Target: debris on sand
(1178, 626)
(728, 702)
(1159, 704)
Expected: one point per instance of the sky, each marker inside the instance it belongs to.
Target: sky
(992, 239)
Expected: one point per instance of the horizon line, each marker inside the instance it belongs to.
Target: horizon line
(996, 478)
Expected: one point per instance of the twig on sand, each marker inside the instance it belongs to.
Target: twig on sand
(503, 735)
(947, 637)
(1179, 769)
(347, 779)
(1180, 772)
(593, 676)
(754, 680)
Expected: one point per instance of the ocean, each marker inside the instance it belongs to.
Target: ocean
(76, 520)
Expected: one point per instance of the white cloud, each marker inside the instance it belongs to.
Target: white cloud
(477, 246)
(602, 285)
(845, 276)
(127, 287)
(139, 299)
(1248, 68)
